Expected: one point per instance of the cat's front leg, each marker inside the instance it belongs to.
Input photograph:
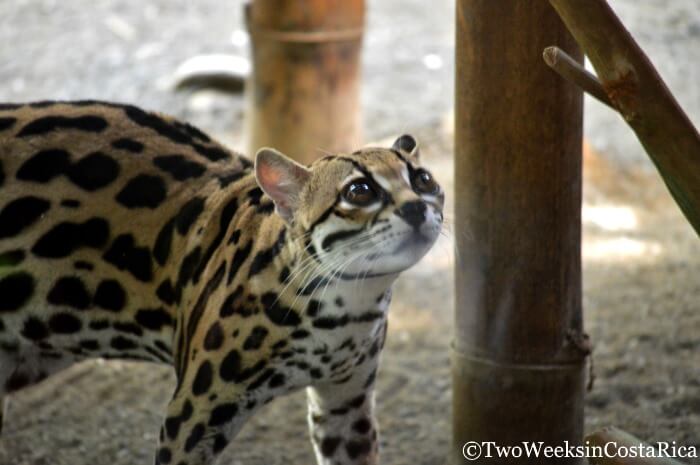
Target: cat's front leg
(198, 427)
(341, 420)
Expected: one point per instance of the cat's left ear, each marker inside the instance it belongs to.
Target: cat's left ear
(282, 179)
(409, 145)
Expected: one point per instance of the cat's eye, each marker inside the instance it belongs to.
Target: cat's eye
(360, 192)
(424, 182)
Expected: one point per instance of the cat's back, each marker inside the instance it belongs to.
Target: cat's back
(96, 198)
(91, 190)
(93, 144)
(110, 163)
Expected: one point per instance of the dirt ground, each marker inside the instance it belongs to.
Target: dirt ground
(641, 259)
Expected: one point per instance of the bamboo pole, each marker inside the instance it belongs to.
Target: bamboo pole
(303, 97)
(519, 351)
(637, 91)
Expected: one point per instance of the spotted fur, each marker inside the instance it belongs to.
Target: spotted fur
(127, 234)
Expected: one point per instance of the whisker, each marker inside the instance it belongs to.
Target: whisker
(337, 272)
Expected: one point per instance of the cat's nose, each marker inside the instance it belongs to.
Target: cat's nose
(413, 213)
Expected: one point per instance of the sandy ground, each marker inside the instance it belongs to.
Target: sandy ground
(641, 260)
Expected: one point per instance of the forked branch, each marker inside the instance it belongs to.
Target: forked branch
(638, 93)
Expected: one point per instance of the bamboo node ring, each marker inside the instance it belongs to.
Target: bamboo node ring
(307, 37)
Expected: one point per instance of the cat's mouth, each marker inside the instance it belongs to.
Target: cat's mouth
(416, 241)
(392, 261)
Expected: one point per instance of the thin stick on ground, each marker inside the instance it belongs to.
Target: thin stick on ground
(611, 440)
(638, 93)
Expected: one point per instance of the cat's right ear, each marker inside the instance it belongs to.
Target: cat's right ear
(409, 145)
(282, 179)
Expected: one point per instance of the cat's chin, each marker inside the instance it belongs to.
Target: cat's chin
(386, 265)
(402, 257)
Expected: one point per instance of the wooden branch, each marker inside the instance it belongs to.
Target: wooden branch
(572, 71)
(637, 91)
(606, 437)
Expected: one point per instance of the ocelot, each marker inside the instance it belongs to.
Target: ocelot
(127, 234)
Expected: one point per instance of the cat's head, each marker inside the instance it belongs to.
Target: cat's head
(373, 212)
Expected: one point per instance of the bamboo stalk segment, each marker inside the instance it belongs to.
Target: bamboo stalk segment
(303, 95)
(518, 366)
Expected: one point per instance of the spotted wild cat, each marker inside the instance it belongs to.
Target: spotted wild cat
(126, 234)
